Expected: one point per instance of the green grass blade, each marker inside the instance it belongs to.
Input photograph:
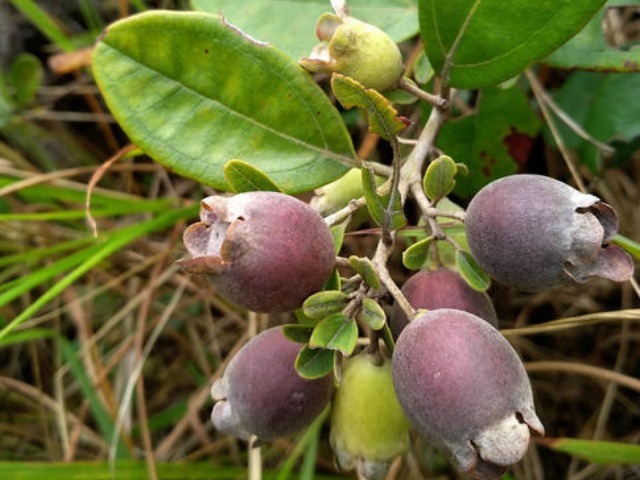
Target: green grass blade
(31, 335)
(302, 446)
(149, 206)
(41, 20)
(631, 246)
(34, 255)
(604, 453)
(17, 287)
(129, 470)
(115, 241)
(100, 414)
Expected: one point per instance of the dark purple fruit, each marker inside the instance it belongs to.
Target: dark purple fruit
(442, 288)
(534, 233)
(264, 251)
(465, 390)
(261, 393)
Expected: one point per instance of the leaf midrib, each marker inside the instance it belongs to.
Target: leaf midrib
(347, 161)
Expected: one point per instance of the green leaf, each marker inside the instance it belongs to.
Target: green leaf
(25, 336)
(440, 178)
(337, 233)
(105, 421)
(373, 314)
(382, 117)
(192, 92)
(290, 26)
(599, 102)
(127, 469)
(416, 254)
(377, 204)
(601, 452)
(244, 177)
(363, 266)
(422, 69)
(472, 272)
(334, 282)
(25, 76)
(336, 332)
(493, 141)
(297, 333)
(589, 49)
(312, 363)
(479, 43)
(322, 304)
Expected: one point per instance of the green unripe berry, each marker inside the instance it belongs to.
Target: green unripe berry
(367, 54)
(357, 49)
(368, 427)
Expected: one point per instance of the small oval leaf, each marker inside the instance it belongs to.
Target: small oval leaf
(193, 91)
(337, 233)
(297, 333)
(378, 204)
(312, 363)
(322, 304)
(440, 178)
(244, 177)
(373, 314)
(415, 255)
(471, 271)
(382, 117)
(364, 267)
(336, 332)
(25, 76)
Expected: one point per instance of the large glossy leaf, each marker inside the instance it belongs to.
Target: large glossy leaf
(193, 92)
(478, 43)
(290, 26)
(589, 49)
(600, 103)
(493, 141)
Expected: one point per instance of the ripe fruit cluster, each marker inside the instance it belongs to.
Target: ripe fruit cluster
(453, 377)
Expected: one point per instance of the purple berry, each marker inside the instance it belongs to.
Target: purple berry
(442, 288)
(534, 233)
(465, 390)
(261, 393)
(264, 251)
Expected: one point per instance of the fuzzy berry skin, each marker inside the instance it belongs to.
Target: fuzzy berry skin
(264, 251)
(535, 233)
(261, 393)
(465, 390)
(368, 427)
(442, 288)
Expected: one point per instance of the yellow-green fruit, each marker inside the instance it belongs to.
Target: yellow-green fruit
(368, 426)
(365, 53)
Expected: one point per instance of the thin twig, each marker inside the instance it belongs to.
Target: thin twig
(383, 251)
(598, 373)
(128, 393)
(435, 100)
(538, 92)
(564, 116)
(412, 168)
(255, 459)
